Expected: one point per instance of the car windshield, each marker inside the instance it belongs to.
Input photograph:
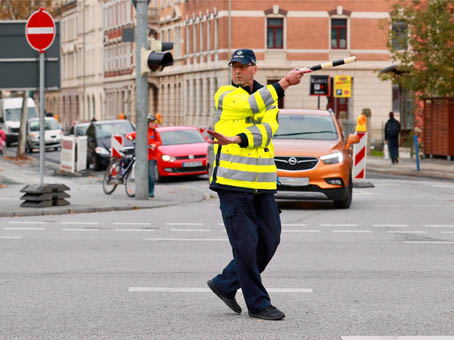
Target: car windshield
(48, 125)
(114, 128)
(14, 114)
(181, 137)
(313, 127)
(81, 130)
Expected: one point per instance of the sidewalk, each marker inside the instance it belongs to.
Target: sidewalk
(86, 192)
(430, 168)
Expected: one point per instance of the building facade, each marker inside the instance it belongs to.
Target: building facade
(81, 96)
(284, 34)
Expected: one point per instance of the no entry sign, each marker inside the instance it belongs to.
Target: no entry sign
(40, 30)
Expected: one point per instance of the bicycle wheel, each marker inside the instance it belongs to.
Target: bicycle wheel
(110, 180)
(130, 182)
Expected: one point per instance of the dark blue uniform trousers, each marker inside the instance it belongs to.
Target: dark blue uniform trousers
(254, 227)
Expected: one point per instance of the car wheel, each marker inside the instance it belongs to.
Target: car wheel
(28, 149)
(347, 200)
(157, 176)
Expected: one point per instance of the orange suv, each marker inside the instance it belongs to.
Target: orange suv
(313, 160)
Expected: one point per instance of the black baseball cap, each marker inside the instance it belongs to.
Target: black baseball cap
(151, 118)
(243, 56)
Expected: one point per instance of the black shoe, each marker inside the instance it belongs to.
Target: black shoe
(269, 313)
(231, 302)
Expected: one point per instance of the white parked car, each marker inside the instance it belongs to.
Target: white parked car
(52, 132)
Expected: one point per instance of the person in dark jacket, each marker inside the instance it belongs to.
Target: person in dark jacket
(392, 130)
(244, 176)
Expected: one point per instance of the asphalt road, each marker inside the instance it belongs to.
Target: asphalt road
(383, 267)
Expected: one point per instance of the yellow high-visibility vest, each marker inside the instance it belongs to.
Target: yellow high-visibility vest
(255, 115)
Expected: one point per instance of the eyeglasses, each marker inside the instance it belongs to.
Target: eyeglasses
(240, 66)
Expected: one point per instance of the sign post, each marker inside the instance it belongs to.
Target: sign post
(319, 87)
(40, 33)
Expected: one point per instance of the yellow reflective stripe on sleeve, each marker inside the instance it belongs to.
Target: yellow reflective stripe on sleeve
(266, 95)
(269, 133)
(219, 106)
(256, 136)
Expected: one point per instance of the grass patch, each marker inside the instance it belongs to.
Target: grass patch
(376, 153)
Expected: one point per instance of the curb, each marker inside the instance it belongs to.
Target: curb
(412, 173)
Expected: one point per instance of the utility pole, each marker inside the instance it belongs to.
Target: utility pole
(141, 169)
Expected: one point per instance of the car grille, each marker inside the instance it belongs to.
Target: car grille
(187, 157)
(191, 169)
(289, 164)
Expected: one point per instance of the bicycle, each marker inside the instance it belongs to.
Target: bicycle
(120, 171)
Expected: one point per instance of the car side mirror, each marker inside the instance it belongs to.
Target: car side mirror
(352, 139)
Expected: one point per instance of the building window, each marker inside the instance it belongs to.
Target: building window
(338, 34)
(399, 35)
(275, 31)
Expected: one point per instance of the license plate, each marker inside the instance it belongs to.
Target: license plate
(294, 181)
(191, 164)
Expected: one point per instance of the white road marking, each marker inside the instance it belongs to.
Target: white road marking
(338, 225)
(446, 232)
(207, 290)
(10, 237)
(186, 239)
(132, 223)
(135, 229)
(390, 225)
(221, 224)
(294, 225)
(190, 230)
(25, 228)
(407, 232)
(439, 225)
(427, 205)
(81, 223)
(301, 231)
(397, 337)
(79, 229)
(26, 222)
(429, 242)
(388, 205)
(351, 231)
(177, 223)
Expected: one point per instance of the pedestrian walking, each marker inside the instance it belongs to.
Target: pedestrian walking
(154, 140)
(244, 177)
(392, 130)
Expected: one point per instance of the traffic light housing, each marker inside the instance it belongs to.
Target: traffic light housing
(156, 58)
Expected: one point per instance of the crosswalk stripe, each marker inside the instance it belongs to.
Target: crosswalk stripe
(207, 290)
(25, 228)
(10, 237)
(186, 239)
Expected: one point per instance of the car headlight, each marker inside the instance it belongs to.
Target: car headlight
(34, 136)
(333, 158)
(168, 158)
(101, 151)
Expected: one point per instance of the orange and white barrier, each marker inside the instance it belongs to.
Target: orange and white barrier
(116, 146)
(359, 156)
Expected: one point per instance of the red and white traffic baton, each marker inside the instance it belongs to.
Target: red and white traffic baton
(333, 63)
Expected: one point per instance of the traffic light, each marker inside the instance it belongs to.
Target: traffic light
(155, 57)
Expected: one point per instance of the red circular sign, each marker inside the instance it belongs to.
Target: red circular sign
(40, 30)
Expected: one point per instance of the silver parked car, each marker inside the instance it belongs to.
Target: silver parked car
(52, 132)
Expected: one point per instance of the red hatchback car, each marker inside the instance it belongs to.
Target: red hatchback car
(183, 152)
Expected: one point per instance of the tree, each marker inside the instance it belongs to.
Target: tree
(421, 43)
(21, 9)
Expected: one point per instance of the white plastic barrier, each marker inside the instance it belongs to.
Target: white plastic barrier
(359, 157)
(81, 153)
(67, 155)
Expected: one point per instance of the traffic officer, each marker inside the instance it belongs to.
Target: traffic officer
(244, 177)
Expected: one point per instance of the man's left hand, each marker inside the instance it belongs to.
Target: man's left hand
(221, 139)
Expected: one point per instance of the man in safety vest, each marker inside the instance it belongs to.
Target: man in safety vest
(244, 176)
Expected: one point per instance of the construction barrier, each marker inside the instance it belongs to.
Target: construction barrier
(116, 146)
(359, 156)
